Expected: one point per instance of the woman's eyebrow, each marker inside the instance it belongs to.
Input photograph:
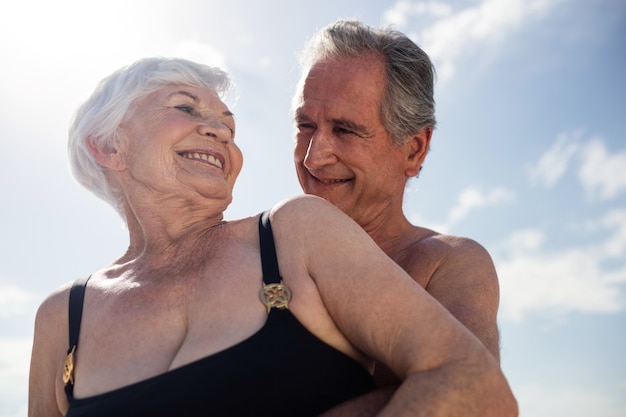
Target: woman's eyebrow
(185, 93)
(196, 100)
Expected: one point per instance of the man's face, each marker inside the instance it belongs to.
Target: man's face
(343, 153)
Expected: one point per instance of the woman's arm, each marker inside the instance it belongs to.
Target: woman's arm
(48, 353)
(386, 314)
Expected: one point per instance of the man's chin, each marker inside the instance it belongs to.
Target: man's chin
(331, 197)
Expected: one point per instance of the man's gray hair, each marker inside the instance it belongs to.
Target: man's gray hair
(408, 104)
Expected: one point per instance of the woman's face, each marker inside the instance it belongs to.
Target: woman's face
(179, 141)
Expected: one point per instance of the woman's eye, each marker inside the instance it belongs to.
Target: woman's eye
(184, 108)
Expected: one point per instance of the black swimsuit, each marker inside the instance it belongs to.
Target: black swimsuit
(281, 370)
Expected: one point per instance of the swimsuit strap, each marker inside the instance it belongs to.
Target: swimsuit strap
(75, 315)
(274, 293)
(77, 296)
(271, 274)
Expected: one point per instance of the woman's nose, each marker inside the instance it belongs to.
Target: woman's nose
(215, 129)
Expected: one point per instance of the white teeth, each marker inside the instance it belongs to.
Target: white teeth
(203, 156)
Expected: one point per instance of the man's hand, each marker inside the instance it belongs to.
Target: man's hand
(367, 405)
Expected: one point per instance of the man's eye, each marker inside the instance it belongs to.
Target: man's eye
(343, 131)
(305, 126)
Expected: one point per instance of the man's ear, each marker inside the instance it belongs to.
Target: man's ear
(105, 154)
(418, 148)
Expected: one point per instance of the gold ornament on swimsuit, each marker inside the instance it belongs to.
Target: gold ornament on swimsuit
(275, 295)
(68, 367)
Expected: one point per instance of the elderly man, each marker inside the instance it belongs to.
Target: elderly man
(364, 115)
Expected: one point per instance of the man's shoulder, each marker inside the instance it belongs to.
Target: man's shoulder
(441, 244)
(428, 251)
(454, 244)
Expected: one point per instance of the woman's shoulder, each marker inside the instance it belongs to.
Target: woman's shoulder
(306, 209)
(53, 312)
(307, 221)
(56, 299)
(51, 322)
(300, 201)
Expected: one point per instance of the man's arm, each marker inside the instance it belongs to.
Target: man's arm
(367, 405)
(466, 284)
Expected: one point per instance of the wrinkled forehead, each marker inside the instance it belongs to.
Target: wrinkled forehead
(354, 82)
(201, 96)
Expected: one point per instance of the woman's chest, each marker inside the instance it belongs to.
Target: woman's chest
(135, 333)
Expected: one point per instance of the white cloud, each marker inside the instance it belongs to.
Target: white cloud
(14, 363)
(473, 198)
(555, 161)
(15, 301)
(470, 199)
(602, 175)
(615, 246)
(534, 279)
(539, 401)
(450, 33)
(398, 13)
(201, 52)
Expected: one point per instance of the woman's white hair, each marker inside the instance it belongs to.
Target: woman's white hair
(99, 118)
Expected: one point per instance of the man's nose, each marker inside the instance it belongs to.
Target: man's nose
(321, 151)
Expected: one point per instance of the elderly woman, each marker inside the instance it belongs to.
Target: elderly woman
(265, 316)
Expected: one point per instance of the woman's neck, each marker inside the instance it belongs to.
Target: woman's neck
(161, 235)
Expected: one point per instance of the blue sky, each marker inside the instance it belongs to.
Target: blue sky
(529, 158)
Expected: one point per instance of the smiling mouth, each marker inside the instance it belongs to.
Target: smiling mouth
(330, 181)
(202, 157)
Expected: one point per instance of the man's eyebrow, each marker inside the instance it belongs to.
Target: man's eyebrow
(357, 128)
(301, 116)
(352, 125)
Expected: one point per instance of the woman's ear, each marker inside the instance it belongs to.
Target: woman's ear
(418, 148)
(105, 154)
